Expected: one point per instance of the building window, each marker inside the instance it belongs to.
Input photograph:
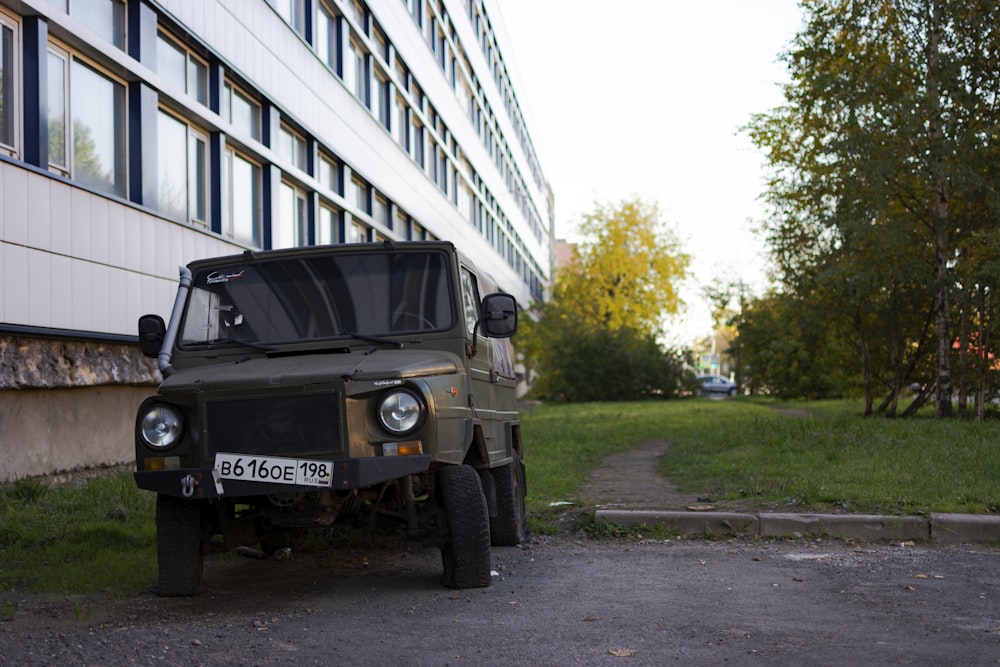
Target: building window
(380, 99)
(362, 195)
(288, 230)
(183, 170)
(9, 63)
(292, 147)
(240, 110)
(380, 210)
(418, 143)
(359, 70)
(86, 117)
(181, 68)
(402, 74)
(356, 233)
(293, 12)
(105, 17)
(402, 128)
(359, 13)
(383, 45)
(329, 174)
(326, 224)
(328, 37)
(242, 187)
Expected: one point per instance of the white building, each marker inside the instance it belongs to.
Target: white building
(138, 135)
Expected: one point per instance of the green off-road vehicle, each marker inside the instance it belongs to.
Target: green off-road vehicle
(306, 386)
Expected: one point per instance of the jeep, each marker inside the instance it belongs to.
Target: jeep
(314, 385)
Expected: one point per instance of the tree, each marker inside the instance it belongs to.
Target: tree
(882, 163)
(623, 275)
(595, 339)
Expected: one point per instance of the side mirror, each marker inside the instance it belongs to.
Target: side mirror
(499, 315)
(152, 331)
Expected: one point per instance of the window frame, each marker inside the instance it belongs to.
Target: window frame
(231, 89)
(119, 24)
(295, 16)
(196, 181)
(293, 147)
(297, 228)
(331, 39)
(197, 92)
(337, 184)
(335, 212)
(70, 170)
(228, 217)
(361, 72)
(12, 75)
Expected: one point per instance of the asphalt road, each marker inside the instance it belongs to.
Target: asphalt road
(555, 602)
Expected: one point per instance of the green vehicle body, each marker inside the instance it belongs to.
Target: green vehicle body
(309, 386)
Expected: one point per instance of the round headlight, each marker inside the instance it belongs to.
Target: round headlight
(400, 412)
(161, 426)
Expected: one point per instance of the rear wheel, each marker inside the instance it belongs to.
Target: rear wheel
(510, 526)
(466, 550)
(179, 537)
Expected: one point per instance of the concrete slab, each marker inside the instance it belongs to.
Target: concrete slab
(961, 528)
(688, 524)
(845, 526)
(942, 528)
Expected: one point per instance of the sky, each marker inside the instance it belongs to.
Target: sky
(646, 98)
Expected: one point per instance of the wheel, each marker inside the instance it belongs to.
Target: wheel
(466, 550)
(179, 535)
(510, 526)
(732, 392)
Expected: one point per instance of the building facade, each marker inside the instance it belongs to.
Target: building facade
(138, 135)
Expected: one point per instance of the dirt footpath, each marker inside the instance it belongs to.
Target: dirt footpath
(630, 480)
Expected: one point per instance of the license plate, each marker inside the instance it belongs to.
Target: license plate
(274, 469)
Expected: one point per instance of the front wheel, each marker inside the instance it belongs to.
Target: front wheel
(180, 527)
(466, 550)
(510, 526)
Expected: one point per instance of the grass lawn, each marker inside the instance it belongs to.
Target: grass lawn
(811, 455)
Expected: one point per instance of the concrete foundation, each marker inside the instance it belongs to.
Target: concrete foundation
(50, 431)
(68, 405)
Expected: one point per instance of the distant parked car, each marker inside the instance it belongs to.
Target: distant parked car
(716, 385)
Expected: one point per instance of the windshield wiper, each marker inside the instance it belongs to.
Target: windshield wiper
(373, 339)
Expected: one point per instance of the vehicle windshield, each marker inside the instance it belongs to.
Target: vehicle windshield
(292, 299)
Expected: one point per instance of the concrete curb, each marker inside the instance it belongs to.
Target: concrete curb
(942, 528)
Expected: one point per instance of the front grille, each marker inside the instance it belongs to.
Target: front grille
(275, 426)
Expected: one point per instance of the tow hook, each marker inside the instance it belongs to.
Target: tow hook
(187, 485)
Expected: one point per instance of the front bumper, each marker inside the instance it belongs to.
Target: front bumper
(348, 473)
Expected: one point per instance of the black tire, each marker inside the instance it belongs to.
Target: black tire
(466, 550)
(179, 537)
(510, 526)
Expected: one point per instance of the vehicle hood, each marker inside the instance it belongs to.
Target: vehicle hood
(301, 370)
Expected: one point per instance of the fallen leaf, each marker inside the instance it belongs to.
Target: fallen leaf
(622, 652)
(591, 618)
(921, 576)
(938, 576)
(910, 588)
(757, 558)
